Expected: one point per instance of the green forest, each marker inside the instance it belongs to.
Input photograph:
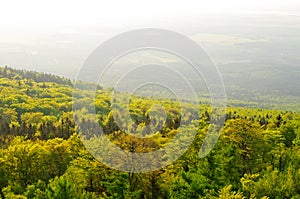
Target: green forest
(42, 155)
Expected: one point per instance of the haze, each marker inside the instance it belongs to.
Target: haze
(255, 44)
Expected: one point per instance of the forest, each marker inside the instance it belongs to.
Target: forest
(42, 154)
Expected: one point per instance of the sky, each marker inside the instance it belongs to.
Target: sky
(108, 13)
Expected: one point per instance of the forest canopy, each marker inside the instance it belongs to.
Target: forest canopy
(42, 154)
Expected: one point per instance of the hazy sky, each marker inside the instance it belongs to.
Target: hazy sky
(131, 11)
(56, 36)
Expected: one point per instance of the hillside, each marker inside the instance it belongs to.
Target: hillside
(46, 154)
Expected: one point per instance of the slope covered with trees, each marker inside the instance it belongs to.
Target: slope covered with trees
(42, 156)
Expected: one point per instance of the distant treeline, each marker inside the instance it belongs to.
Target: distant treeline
(18, 74)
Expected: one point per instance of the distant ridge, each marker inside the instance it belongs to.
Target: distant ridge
(18, 74)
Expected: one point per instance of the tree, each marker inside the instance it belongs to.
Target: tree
(247, 137)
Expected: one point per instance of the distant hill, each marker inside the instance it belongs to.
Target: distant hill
(238, 96)
(17, 74)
